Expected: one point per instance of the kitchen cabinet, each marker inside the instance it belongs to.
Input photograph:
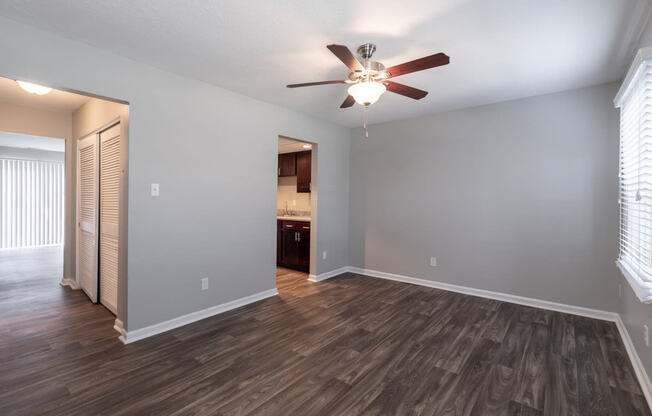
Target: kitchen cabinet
(297, 164)
(287, 164)
(294, 240)
(279, 240)
(303, 171)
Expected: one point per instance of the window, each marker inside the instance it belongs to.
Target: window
(635, 172)
(31, 203)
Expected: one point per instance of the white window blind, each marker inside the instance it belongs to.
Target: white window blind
(31, 203)
(635, 102)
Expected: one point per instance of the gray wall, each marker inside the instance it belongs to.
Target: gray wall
(214, 154)
(517, 197)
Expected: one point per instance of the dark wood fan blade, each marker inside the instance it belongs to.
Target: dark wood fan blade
(411, 92)
(310, 84)
(348, 102)
(346, 56)
(420, 64)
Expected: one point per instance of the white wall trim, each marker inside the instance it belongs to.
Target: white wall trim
(505, 297)
(643, 290)
(643, 55)
(72, 283)
(328, 275)
(641, 374)
(119, 326)
(148, 331)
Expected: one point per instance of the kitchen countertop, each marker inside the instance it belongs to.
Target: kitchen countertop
(292, 218)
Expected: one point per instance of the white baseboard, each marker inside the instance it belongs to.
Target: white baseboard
(138, 334)
(641, 374)
(328, 275)
(71, 283)
(505, 297)
(119, 326)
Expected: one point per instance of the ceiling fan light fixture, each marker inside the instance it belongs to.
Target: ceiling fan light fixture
(366, 92)
(34, 88)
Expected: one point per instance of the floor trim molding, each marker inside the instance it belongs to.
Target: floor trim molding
(505, 297)
(328, 275)
(71, 283)
(634, 358)
(119, 326)
(641, 374)
(148, 331)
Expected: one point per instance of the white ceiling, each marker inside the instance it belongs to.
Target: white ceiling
(59, 101)
(25, 141)
(287, 145)
(499, 49)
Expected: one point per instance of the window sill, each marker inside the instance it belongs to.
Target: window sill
(642, 289)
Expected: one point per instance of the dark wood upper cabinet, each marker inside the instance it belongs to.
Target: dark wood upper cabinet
(303, 171)
(287, 164)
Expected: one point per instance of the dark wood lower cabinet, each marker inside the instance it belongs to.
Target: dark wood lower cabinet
(279, 241)
(293, 240)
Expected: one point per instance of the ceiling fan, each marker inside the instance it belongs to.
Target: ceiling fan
(370, 79)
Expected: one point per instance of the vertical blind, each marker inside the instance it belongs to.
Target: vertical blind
(31, 203)
(635, 257)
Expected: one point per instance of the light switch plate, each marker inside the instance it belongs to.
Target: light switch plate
(154, 189)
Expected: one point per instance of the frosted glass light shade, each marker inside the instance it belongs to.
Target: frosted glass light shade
(367, 92)
(34, 88)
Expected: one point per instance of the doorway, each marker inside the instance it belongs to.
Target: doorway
(295, 211)
(63, 198)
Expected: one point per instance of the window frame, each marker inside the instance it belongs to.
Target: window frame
(635, 274)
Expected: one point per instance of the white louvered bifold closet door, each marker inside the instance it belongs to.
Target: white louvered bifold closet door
(87, 199)
(31, 203)
(110, 173)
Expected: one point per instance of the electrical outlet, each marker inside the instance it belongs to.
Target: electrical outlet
(433, 261)
(323, 255)
(204, 283)
(154, 189)
(294, 202)
(646, 335)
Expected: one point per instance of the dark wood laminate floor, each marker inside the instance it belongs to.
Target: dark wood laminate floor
(347, 346)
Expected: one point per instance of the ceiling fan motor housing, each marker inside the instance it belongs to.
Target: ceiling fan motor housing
(366, 50)
(372, 69)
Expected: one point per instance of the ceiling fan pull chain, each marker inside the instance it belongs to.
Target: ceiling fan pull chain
(366, 131)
